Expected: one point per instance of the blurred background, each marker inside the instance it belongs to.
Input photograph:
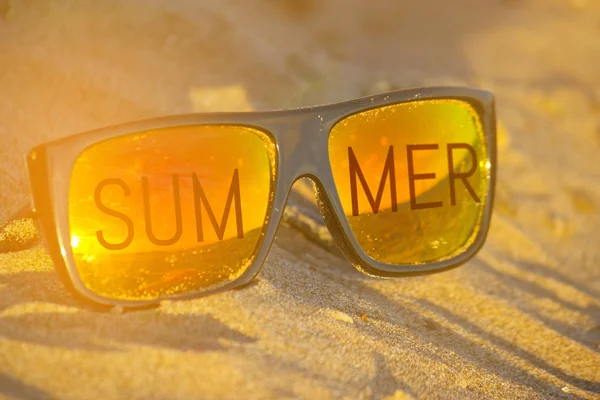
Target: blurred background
(528, 307)
(69, 66)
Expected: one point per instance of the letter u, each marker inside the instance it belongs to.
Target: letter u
(177, 203)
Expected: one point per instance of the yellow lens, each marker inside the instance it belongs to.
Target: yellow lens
(170, 211)
(412, 179)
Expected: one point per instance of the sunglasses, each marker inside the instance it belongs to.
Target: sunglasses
(186, 206)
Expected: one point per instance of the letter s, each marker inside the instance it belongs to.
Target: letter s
(113, 213)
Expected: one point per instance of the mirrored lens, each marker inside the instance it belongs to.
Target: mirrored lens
(170, 211)
(412, 179)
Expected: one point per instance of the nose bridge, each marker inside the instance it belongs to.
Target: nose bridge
(302, 148)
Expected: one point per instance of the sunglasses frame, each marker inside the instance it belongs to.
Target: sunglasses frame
(301, 138)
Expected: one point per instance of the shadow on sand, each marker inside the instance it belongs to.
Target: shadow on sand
(15, 389)
(196, 332)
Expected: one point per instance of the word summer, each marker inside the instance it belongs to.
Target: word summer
(233, 202)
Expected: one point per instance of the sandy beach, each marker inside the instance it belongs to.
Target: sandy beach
(521, 320)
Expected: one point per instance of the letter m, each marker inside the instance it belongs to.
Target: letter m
(233, 195)
(388, 171)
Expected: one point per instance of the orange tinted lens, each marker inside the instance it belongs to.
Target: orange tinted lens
(412, 179)
(170, 211)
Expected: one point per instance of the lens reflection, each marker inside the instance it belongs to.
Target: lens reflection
(412, 179)
(170, 211)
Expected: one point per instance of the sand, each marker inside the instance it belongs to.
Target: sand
(522, 320)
